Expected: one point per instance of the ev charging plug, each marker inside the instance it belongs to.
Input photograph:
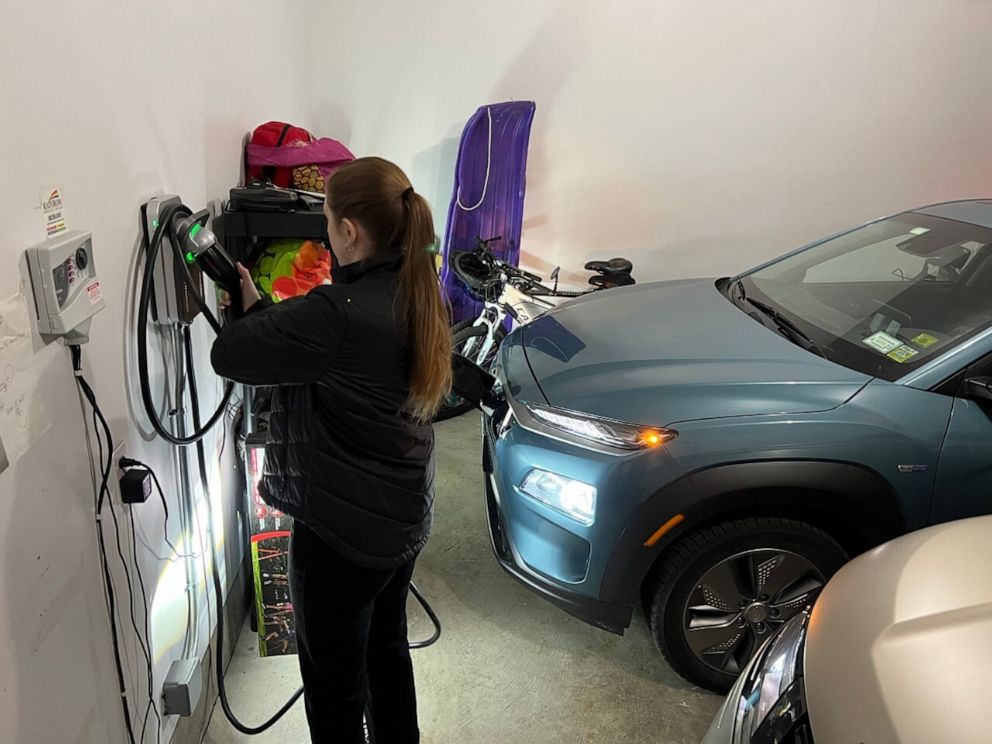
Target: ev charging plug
(199, 245)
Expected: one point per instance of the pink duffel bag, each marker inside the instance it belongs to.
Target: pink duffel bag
(297, 160)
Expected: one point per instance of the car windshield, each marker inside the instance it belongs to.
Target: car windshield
(882, 299)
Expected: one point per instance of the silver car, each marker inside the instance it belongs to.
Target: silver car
(897, 648)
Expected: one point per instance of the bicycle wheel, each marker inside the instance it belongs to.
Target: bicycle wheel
(467, 339)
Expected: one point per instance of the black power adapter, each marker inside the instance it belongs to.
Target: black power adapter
(136, 486)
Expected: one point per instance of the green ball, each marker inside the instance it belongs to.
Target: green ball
(275, 261)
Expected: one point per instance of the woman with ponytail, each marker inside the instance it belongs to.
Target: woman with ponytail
(359, 369)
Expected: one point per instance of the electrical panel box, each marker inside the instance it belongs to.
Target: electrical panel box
(67, 291)
(172, 302)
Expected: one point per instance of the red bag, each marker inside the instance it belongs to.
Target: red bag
(291, 157)
(274, 134)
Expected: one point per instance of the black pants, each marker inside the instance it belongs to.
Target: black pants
(352, 638)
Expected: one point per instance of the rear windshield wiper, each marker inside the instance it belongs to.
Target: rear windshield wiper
(786, 326)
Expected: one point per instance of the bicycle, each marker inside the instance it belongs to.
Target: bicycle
(512, 296)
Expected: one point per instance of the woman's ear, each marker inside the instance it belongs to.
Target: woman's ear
(350, 230)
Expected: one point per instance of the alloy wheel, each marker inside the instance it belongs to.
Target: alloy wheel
(742, 600)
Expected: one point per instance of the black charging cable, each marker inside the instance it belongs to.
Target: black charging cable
(152, 251)
(215, 570)
(104, 492)
(435, 620)
(153, 248)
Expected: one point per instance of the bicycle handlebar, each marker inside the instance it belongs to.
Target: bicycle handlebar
(525, 281)
(514, 271)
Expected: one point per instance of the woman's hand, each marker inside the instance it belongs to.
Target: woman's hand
(249, 292)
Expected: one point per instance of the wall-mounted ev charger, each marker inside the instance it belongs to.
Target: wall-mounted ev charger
(172, 300)
(67, 291)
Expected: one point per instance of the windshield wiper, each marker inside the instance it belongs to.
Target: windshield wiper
(786, 326)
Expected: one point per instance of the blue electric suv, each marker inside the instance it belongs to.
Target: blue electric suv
(716, 450)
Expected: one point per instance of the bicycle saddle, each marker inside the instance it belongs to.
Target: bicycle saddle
(607, 281)
(613, 266)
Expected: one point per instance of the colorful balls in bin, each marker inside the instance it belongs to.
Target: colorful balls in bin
(291, 268)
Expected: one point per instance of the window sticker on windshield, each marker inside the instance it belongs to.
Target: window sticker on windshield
(902, 354)
(920, 230)
(925, 340)
(883, 342)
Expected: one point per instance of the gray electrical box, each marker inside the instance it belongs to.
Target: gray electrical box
(67, 291)
(173, 302)
(182, 688)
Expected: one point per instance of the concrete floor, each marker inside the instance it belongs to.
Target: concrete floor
(510, 668)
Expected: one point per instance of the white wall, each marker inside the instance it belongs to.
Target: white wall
(696, 138)
(114, 102)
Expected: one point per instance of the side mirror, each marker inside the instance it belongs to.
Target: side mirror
(979, 388)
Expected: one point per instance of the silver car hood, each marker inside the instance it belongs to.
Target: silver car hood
(899, 647)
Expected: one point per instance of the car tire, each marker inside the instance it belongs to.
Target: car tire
(703, 585)
(461, 334)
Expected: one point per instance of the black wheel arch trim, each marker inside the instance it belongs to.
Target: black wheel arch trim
(852, 503)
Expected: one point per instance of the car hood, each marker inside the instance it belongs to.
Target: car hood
(675, 351)
(898, 643)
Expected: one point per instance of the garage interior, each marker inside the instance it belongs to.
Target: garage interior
(501, 643)
(693, 140)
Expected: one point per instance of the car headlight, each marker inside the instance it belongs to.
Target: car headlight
(571, 497)
(772, 683)
(601, 430)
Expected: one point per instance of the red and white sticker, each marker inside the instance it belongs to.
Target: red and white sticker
(94, 292)
(53, 208)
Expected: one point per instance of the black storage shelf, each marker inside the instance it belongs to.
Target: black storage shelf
(234, 227)
(239, 231)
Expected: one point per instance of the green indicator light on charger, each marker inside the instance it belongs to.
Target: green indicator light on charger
(154, 223)
(194, 230)
(190, 257)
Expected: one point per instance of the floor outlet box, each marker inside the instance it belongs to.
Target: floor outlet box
(183, 687)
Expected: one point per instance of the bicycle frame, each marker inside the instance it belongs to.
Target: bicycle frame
(477, 349)
(519, 306)
(521, 298)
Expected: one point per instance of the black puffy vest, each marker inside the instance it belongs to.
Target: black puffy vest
(341, 455)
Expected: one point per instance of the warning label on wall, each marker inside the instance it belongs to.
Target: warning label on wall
(53, 209)
(95, 294)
